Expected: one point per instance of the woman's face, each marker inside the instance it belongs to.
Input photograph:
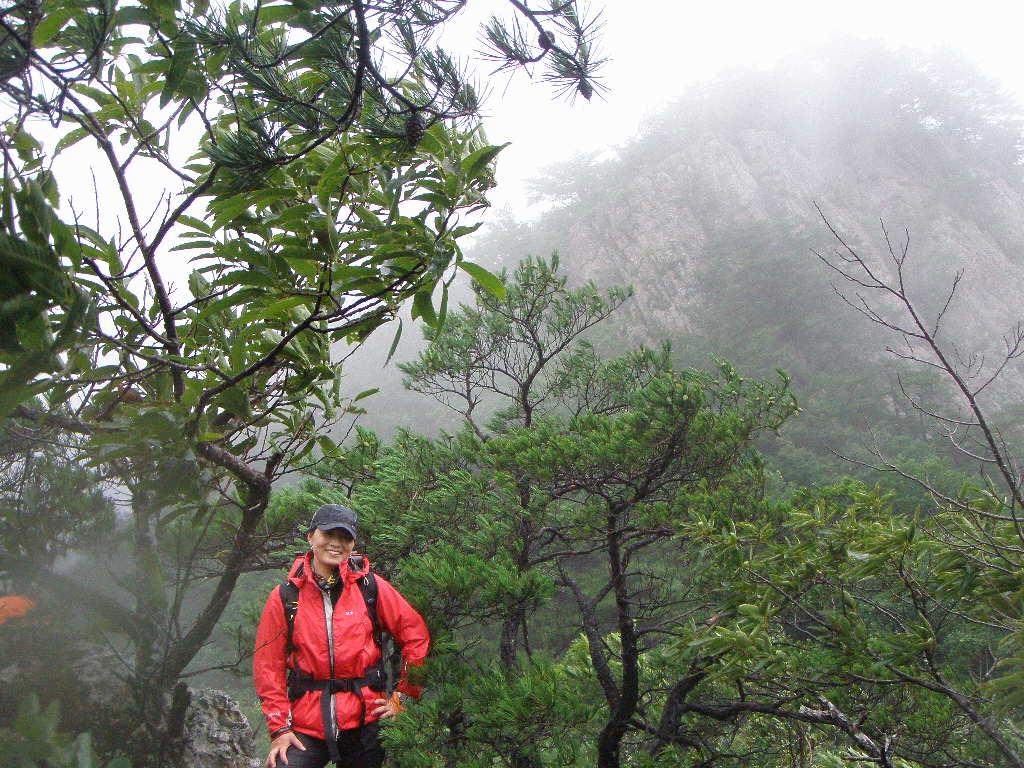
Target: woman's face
(330, 549)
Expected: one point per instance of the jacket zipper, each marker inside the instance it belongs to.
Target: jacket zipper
(329, 619)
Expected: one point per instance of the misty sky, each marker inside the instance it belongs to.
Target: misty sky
(658, 48)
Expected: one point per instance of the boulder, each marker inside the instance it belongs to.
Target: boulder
(216, 733)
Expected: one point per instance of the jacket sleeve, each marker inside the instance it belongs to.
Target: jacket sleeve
(268, 665)
(409, 630)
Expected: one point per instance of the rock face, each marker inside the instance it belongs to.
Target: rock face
(217, 734)
(721, 191)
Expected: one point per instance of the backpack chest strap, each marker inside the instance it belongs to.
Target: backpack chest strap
(300, 684)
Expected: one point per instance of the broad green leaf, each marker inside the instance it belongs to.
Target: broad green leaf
(478, 161)
(461, 231)
(235, 401)
(26, 144)
(368, 218)
(247, 277)
(199, 285)
(70, 139)
(423, 306)
(298, 218)
(156, 424)
(192, 221)
(491, 282)
(277, 309)
(275, 14)
(134, 14)
(306, 267)
(195, 245)
(164, 9)
(51, 24)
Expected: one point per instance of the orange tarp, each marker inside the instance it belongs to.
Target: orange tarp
(15, 605)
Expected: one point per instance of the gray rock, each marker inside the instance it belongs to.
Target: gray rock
(217, 734)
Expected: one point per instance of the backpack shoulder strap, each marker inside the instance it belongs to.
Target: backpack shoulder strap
(391, 654)
(368, 586)
(289, 595)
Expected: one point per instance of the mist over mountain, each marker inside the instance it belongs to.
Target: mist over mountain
(710, 215)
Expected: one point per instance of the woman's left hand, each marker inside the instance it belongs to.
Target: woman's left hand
(388, 708)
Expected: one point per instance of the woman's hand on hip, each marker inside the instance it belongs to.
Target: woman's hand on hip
(389, 707)
(279, 748)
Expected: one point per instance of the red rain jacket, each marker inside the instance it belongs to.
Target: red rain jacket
(354, 649)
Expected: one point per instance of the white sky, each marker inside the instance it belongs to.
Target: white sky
(660, 47)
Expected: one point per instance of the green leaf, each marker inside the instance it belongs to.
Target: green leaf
(227, 209)
(70, 139)
(234, 401)
(442, 312)
(181, 63)
(422, 306)
(297, 218)
(195, 245)
(247, 277)
(490, 282)
(278, 308)
(394, 342)
(164, 9)
(156, 424)
(133, 14)
(192, 221)
(461, 231)
(51, 24)
(327, 446)
(303, 266)
(430, 143)
(479, 160)
(370, 221)
(275, 14)
(26, 144)
(199, 285)
(85, 756)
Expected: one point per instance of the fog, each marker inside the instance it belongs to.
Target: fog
(658, 49)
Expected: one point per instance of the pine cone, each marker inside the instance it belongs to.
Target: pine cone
(546, 40)
(586, 89)
(414, 128)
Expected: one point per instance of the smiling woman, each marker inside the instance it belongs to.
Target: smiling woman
(318, 666)
(331, 537)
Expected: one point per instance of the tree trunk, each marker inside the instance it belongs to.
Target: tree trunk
(671, 714)
(610, 741)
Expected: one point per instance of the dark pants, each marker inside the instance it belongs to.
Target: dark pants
(359, 748)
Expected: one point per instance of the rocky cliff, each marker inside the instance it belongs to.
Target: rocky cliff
(710, 214)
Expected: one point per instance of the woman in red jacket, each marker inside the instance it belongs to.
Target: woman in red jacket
(322, 689)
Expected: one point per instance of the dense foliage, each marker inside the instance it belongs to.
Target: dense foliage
(569, 479)
(608, 584)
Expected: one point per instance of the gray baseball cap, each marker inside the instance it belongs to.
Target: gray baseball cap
(331, 516)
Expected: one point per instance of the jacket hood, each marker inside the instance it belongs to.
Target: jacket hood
(302, 569)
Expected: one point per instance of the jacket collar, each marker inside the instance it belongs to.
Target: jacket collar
(302, 569)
